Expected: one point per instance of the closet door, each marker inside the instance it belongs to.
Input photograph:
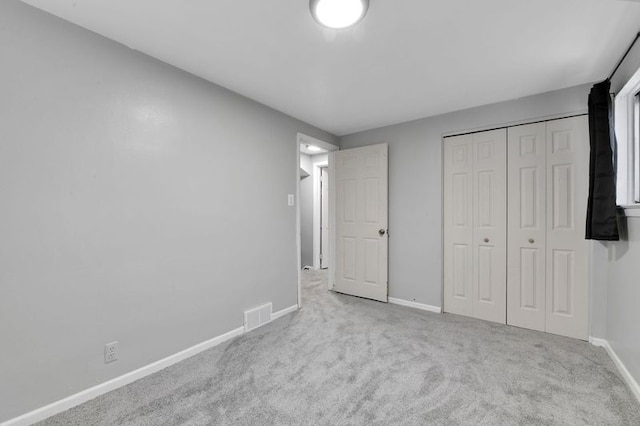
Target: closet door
(458, 224)
(567, 293)
(526, 258)
(490, 226)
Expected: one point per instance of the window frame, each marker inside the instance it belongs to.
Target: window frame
(627, 129)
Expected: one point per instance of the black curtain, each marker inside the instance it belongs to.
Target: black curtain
(602, 223)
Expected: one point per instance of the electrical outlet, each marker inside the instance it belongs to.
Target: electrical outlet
(110, 352)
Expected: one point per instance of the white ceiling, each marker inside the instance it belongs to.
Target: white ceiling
(408, 59)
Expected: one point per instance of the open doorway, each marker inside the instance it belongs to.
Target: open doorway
(314, 214)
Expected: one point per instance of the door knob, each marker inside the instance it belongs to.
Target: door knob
(382, 232)
(531, 241)
(486, 240)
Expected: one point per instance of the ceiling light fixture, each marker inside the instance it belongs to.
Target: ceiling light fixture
(313, 148)
(338, 14)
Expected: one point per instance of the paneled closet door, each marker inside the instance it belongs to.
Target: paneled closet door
(458, 224)
(567, 293)
(526, 258)
(490, 225)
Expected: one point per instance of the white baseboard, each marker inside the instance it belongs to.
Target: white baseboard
(415, 305)
(631, 382)
(95, 391)
(285, 311)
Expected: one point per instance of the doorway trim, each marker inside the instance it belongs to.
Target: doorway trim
(301, 138)
(317, 213)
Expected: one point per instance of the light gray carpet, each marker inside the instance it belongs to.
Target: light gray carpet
(345, 360)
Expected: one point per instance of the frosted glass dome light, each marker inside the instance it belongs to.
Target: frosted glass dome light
(338, 14)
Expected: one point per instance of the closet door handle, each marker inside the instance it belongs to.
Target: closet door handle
(486, 240)
(531, 241)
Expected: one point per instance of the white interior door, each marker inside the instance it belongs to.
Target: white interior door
(361, 183)
(526, 274)
(490, 225)
(458, 224)
(567, 292)
(324, 218)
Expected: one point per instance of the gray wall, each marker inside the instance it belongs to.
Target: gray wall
(415, 184)
(623, 296)
(623, 289)
(138, 203)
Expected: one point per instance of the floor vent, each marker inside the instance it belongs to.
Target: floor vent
(256, 317)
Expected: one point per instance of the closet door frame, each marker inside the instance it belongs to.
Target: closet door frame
(457, 170)
(474, 225)
(591, 261)
(490, 225)
(568, 256)
(526, 230)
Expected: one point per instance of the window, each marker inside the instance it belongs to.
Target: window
(627, 127)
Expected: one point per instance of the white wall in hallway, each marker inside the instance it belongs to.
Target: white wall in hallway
(306, 211)
(308, 163)
(139, 203)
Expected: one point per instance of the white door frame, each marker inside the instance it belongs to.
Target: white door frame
(317, 214)
(306, 139)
